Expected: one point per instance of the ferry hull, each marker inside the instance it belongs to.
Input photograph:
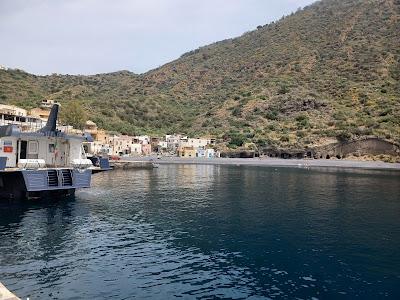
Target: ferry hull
(21, 184)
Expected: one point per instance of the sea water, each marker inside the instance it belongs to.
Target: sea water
(209, 232)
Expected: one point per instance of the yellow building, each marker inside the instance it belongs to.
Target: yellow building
(40, 113)
(186, 152)
(102, 136)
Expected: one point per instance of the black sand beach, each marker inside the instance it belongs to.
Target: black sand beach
(274, 162)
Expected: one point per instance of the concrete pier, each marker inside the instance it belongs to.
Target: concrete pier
(5, 294)
(128, 165)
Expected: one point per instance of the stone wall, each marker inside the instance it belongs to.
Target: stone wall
(367, 146)
(239, 154)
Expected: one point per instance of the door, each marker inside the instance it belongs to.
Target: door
(23, 152)
(51, 149)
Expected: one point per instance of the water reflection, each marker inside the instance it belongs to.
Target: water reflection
(209, 231)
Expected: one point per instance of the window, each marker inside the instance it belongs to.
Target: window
(33, 147)
(52, 148)
(7, 146)
(33, 150)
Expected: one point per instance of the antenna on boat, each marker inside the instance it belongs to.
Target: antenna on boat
(51, 124)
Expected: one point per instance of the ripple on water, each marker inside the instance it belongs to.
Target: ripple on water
(209, 232)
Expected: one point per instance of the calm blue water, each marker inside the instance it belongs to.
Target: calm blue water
(209, 232)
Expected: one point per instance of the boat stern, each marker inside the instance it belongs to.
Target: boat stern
(56, 179)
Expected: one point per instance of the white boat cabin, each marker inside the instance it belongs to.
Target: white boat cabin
(45, 151)
(45, 148)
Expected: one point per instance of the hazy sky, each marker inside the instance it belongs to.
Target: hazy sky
(97, 36)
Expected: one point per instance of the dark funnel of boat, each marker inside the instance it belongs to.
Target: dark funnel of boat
(51, 124)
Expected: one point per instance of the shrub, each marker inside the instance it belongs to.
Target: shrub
(236, 139)
(284, 138)
(300, 133)
(343, 136)
(272, 114)
(283, 89)
(303, 121)
(237, 112)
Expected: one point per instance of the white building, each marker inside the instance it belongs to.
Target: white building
(47, 103)
(163, 145)
(97, 147)
(195, 142)
(173, 141)
(10, 114)
(210, 153)
(142, 139)
(12, 110)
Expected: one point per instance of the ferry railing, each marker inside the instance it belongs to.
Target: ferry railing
(24, 125)
(28, 126)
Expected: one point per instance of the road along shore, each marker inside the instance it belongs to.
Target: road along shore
(268, 162)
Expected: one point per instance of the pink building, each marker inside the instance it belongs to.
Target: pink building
(146, 149)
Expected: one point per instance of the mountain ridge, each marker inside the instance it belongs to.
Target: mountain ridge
(328, 71)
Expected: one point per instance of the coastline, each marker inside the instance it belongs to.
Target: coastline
(272, 162)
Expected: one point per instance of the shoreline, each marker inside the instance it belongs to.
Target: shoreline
(271, 162)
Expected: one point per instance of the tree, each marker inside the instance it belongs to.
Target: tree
(73, 113)
(236, 139)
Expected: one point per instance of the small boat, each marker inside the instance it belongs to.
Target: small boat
(44, 162)
(154, 164)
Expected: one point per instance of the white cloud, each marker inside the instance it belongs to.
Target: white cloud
(91, 36)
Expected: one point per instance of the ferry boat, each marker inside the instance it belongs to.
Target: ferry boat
(44, 162)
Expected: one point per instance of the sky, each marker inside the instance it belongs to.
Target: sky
(100, 36)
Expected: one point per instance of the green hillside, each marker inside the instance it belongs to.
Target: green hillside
(331, 70)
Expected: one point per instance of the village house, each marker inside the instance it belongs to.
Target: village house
(210, 153)
(120, 144)
(146, 149)
(205, 153)
(158, 145)
(12, 110)
(104, 143)
(136, 149)
(100, 144)
(39, 113)
(154, 141)
(201, 153)
(43, 111)
(142, 139)
(173, 141)
(183, 140)
(47, 103)
(162, 146)
(187, 152)
(10, 114)
(128, 145)
(195, 142)
(97, 147)
(101, 136)
(91, 127)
